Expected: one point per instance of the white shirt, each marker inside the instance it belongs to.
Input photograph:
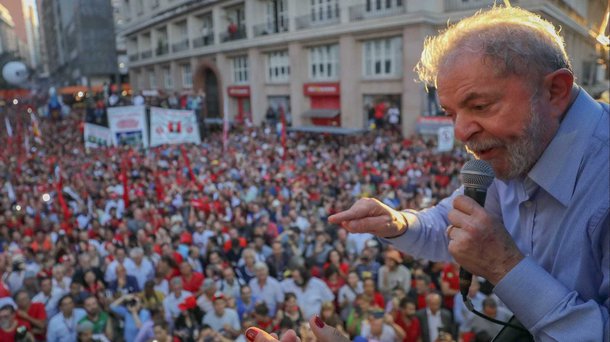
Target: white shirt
(205, 304)
(64, 285)
(434, 322)
(50, 302)
(64, 329)
(170, 305)
(142, 273)
(272, 293)
(110, 274)
(310, 298)
(349, 294)
(387, 333)
(229, 317)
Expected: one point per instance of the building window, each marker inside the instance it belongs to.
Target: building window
(323, 10)
(168, 82)
(382, 5)
(382, 57)
(278, 67)
(151, 79)
(139, 6)
(187, 76)
(277, 16)
(240, 69)
(324, 62)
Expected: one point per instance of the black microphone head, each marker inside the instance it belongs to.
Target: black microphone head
(477, 173)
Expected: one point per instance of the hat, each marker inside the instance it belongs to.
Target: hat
(394, 255)
(207, 284)
(189, 303)
(217, 296)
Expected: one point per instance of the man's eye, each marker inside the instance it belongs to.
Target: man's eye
(480, 107)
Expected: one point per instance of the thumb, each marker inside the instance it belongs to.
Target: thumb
(325, 333)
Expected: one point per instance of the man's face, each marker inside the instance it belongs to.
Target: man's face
(67, 305)
(496, 116)
(91, 306)
(7, 317)
(219, 306)
(23, 301)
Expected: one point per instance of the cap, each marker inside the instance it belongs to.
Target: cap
(217, 296)
(189, 303)
(394, 255)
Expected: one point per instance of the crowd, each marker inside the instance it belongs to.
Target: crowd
(193, 243)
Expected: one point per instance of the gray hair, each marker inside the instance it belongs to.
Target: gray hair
(517, 41)
(136, 252)
(261, 266)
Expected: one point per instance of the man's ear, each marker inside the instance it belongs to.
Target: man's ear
(558, 88)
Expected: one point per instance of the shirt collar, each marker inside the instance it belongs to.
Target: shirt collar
(557, 169)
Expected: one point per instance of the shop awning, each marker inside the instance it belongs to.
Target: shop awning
(327, 129)
(321, 113)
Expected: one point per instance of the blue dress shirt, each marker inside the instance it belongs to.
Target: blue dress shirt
(558, 217)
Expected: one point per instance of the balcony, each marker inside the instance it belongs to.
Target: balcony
(276, 26)
(204, 40)
(239, 33)
(318, 19)
(461, 5)
(162, 49)
(146, 54)
(180, 46)
(363, 12)
(134, 57)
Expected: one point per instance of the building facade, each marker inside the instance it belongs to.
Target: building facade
(79, 38)
(320, 62)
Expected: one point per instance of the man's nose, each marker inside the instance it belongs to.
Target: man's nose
(465, 127)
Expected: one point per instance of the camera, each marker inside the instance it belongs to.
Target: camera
(131, 302)
(21, 333)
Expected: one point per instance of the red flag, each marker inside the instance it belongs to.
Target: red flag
(124, 167)
(187, 162)
(283, 118)
(60, 195)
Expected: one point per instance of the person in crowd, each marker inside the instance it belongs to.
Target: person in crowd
(11, 329)
(311, 292)
(32, 313)
(434, 317)
(48, 296)
(129, 308)
(101, 321)
(393, 274)
(171, 303)
(62, 326)
(266, 288)
(222, 319)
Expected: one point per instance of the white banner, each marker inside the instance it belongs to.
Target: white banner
(128, 125)
(445, 139)
(97, 136)
(172, 126)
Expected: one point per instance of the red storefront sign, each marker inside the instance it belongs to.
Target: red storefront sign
(321, 89)
(239, 91)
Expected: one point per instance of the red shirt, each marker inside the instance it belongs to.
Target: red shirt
(412, 330)
(36, 311)
(9, 336)
(451, 276)
(194, 283)
(378, 301)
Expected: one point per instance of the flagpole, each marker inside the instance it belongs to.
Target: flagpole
(225, 126)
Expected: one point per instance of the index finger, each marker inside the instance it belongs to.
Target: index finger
(357, 211)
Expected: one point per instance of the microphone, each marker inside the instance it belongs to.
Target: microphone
(477, 176)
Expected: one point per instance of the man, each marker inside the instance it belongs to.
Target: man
(62, 327)
(171, 302)
(223, 319)
(406, 319)
(120, 259)
(434, 317)
(393, 274)
(505, 79)
(490, 309)
(141, 268)
(205, 300)
(278, 260)
(100, 319)
(48, 296)
(310, 291)
(191, 281)
(266, 288)
(229, 284)
(10, 327)
(523, 118)
(245, 303)
(33, 313)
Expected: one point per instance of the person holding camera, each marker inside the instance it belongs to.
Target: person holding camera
(129, 308)
(11, 330)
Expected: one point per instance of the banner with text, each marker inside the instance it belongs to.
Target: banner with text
(128, 125)
(445, 139)
(97, 136)
(172, 126)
